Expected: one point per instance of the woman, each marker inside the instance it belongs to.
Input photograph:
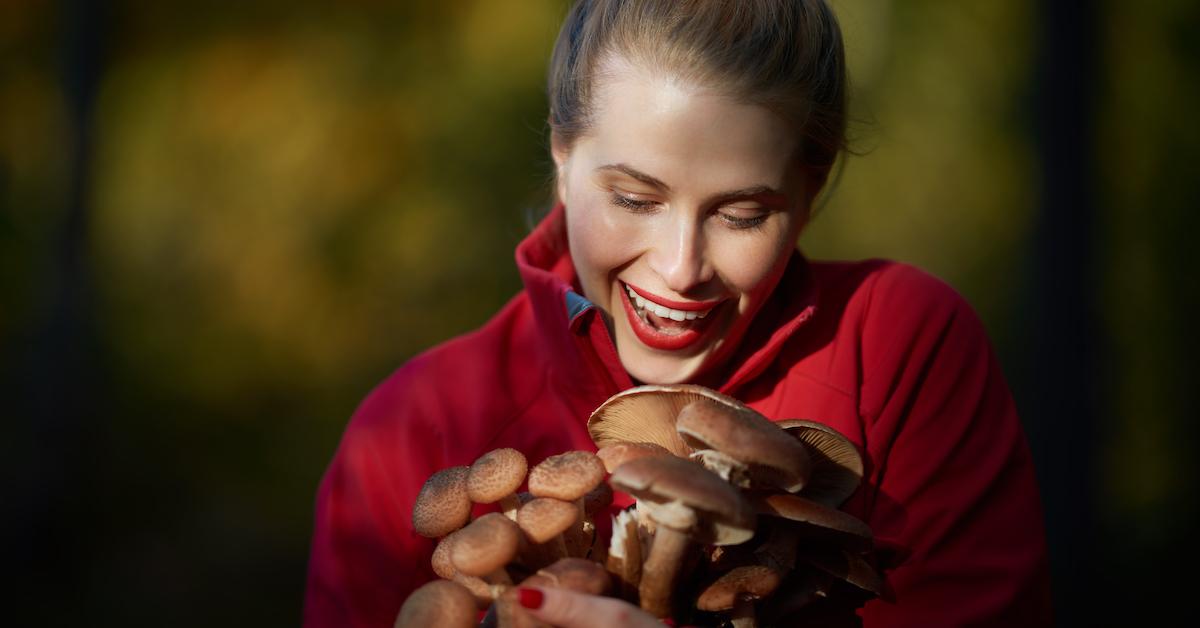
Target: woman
(690, 139)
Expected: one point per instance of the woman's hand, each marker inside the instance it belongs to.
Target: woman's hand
(567, 609)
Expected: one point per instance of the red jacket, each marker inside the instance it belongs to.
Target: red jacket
(889, 356)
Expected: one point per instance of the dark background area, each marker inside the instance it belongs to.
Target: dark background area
(222, 224)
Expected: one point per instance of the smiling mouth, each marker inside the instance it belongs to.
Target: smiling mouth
(664, 327)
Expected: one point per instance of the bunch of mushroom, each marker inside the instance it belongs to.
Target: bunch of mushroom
(746, 506)
(735, 518)
(542, 537)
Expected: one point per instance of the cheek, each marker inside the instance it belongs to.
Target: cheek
(599, 242)
(751, 266)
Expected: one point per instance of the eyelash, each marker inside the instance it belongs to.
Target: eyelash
(645, 206)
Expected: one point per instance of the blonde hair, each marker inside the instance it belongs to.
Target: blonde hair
(783, 54)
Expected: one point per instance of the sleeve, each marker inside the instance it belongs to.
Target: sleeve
(956, 495)
(365, 557)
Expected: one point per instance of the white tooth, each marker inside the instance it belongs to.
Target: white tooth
(691, 316)
(703, 314)
(640, 301)
(676, 315)
(660, 311)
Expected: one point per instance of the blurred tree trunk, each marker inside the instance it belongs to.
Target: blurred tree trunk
(1060, 410)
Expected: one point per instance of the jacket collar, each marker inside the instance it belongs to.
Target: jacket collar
(573, 330)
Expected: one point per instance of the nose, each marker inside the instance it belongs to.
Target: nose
(680, 256)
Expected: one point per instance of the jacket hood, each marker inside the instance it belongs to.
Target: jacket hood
(577, 338)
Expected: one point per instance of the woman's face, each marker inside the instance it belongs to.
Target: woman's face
(683, 207)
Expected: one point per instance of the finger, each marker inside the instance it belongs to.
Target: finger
(568, 609)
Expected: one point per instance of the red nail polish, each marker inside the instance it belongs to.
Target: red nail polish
(530, 598)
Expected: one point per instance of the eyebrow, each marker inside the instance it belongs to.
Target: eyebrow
(754, 190)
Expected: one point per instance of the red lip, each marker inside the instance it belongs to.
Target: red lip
(656, 339)
(675, 305)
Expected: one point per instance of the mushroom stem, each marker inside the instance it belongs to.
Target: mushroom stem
(576, 539)
(509, 505)
(742, 615)
(661, 570)
(624, 559)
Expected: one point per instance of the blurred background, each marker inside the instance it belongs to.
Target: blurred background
(222, 224)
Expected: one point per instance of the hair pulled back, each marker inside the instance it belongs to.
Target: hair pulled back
(782, 54)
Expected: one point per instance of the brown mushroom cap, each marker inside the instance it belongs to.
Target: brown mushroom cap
(723, 515)
(749, 582)
(817, 520)
(846, 566)
(567, 476)
(617, 454)
(837, 465)
(775, 459)
(495, 475)
(438, 603)
(442, 565)
(647, 414)
(485, 546)
(545, 518)
(442, 506)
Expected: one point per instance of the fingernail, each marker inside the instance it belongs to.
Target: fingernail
(530, 598)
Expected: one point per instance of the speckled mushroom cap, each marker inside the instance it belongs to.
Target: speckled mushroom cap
(647, 414)
(776, 459)
(837, 465)
(439, 603)
(485, 546)
(545, 517)
(724, 516)
(442, 506)
(567, 476)
(617, 454)
(495, 475)
(748, 582)
(817, 520)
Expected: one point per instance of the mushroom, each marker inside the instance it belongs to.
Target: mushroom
(647, 414)
(847, 566)
(743, 446)
(568, 476)
(495, 477)
(438, 603)
(685, 501)
(483, 592)
(837, 465)
(624, 560)
(737, 590)
(813, 520)
(617, 454)
(544, 520)
(442, 506)
(485, 546)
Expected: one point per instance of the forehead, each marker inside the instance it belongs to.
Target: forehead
(680, 131)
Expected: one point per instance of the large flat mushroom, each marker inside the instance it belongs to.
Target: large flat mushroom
(812, 520)
(837, 465)
(647, 414)
(743, 446)
(686, 502)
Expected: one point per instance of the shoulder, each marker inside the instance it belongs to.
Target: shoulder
(465, 389)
